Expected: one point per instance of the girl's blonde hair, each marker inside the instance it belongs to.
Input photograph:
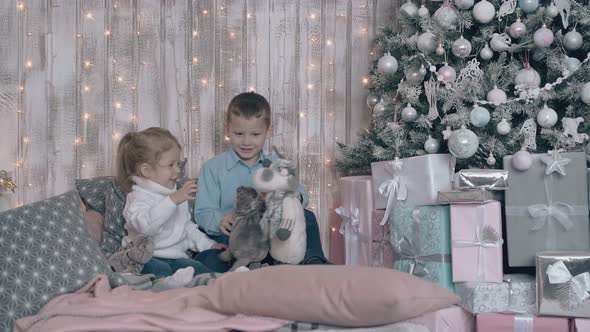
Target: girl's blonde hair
(136, 148)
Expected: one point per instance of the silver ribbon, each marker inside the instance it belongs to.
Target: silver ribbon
(485, 237)
(406, 250)
(558, 273)
(349, 228)
(393, 188)
(523, 323)
(545, 214)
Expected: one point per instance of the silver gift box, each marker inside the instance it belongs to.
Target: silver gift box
(563, 283)
(422, 176)
(469, 196)
(491, 179)
(515, 295)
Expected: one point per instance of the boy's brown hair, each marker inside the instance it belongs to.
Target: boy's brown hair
(247, 105)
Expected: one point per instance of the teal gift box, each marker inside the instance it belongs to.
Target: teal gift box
(422, 242)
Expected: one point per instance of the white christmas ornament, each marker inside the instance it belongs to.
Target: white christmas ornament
(491, 161)
(585, 93)
(431, 145)
(423, 11)
(517, 29)
(387, 64)
(572, 40)
(464, 4)
(484, 12)
(447, 74)
(461, 47)
(446, 16)
(496, 96)
(479, 116)
(409, 113)
(570, 65)
(426, 42)
(528, 6)
(527, 78)
(551, 11)
(503, 127)
(547, 117)
(570, 129)
(486, 52)
(543, 37)
(409, 8)
(463, 143)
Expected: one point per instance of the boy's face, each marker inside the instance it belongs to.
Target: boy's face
(247, 136)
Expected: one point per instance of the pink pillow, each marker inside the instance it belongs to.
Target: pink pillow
(95, 220)
(329, 294)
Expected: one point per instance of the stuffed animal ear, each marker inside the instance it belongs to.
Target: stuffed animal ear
(266, 163)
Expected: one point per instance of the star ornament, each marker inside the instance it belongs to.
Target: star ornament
(555, 163)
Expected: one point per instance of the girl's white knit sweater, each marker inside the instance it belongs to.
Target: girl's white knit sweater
(150, 211)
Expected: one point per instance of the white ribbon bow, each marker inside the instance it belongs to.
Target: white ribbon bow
(558, 210)
(559, 274)
(393, 188)
(348, 218)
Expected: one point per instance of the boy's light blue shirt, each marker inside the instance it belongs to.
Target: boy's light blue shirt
(219, 180)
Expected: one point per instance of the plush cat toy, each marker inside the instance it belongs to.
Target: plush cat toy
(284, 211)
(132, 257)
(248, 240)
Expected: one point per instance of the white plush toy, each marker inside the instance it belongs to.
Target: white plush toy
(284, 211)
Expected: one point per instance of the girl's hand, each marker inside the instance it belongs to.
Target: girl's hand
(219, 246)
(185, 193)
(227, 223)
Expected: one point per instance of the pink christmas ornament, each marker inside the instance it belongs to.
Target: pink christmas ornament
(447, 73)
(517, 29)
(543, 37)
(522, 160)
(496, 96)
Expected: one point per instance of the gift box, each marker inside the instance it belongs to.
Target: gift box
(476, 242)
(451, 319)
(563, 283)
(517, 294)
(381, 248)
(492, 322)
(545, 209)
(421, 242)
(579, 325)
(488, 179)
(469, 196)
(414, 181)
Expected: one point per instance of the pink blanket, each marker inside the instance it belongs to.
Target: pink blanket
(97, 307)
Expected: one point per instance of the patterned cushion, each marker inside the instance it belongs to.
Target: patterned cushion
(102, 194)
(46, 250)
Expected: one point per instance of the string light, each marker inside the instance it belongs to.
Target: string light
(204, 81)
(195, 59)
(205, 11)
(195, 33)
(87, 64)
(226, 138)
(365, 80)
(86, 88)
(77, 141)
(301, 114)
(252, 89)
(310, 86)
(89, 16)
(20, 6)
(312, 16)
(86, 116)
(107, 32)
(29, 64)
(116, 135)
(333, 229)
(328, 42)
(117, 105)
(232, 35)
(248, 15)
(21, 88)
(120, 79)
(26, 140)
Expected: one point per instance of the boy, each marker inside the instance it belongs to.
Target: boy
(247, 124)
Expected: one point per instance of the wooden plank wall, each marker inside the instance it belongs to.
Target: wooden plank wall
(76, 75)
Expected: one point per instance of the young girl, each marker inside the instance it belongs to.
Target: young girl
(147, 168)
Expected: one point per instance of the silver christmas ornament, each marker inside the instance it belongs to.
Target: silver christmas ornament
(423, 11)
(409, 113)
(412, 41)
(572, 40)
(426, 42)
(552, 10)
(463, 143)
(381, 107)
(503, 127)
(464, 4)
(484, 12)
(486, 52)
(527, 78)
(414, 76)
(528, 6)
(517, 29)
(409, 8)
(422, 70)
(570, 65)
(387, 64)
(491, 161)
(372, 100)
(446, 16)
(461, 47)
(543, 37)
(585, 93)
(547, 117)
(431, 145)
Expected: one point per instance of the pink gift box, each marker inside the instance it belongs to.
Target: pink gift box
(476, 240)
(489, 322)
(451, 319)
(580, 325)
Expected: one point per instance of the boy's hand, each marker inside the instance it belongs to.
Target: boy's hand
(227, 223)
(219, 246)
(185, 193)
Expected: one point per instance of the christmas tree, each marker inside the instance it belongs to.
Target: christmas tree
(479, 80)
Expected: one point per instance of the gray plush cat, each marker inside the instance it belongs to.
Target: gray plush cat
(249, 238)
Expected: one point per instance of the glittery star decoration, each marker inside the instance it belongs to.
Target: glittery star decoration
(6, 182)
(447, 133)
(555, 163)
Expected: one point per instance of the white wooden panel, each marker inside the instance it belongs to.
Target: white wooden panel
(176, 61)
(204, 52)
(94, 128)
(34, 133)
(63, 96)
(121, 55)
(10, 38)
(149, 76)
(284, 75)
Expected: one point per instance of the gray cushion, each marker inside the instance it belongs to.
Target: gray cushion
(46, 250)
